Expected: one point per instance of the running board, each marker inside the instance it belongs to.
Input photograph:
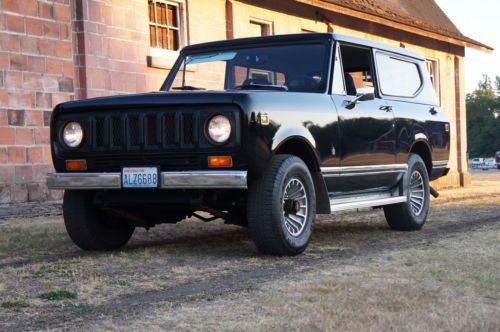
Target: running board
(341, 205)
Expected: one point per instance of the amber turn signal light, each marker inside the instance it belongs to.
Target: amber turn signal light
(220, 161)
(76, 165)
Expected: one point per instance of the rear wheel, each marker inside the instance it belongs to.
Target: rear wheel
(281, 207)
(91, 228)
(412, 214)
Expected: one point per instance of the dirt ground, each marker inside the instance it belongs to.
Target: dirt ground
(355, 275)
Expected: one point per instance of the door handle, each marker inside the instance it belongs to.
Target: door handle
(386, 108)
(433, 111)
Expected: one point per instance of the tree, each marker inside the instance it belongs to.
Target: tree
(497, 85)
(483, 128)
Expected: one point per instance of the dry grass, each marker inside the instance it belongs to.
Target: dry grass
(356, 275)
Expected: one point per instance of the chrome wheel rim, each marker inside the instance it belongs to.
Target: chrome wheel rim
(417, 193)
(294, 206)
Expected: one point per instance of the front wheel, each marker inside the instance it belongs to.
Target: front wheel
(91, 228)
(281, 207)
(411, 215)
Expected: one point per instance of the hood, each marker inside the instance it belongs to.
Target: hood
(153, 99)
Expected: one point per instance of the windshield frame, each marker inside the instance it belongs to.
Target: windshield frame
(167, 84)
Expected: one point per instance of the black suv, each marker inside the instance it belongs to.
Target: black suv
(261, 132)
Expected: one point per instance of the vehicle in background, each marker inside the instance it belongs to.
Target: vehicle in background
(487, 164)
(476, 162)
(497, 159)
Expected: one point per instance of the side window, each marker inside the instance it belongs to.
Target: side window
(398, 77)
(358, 71)
(338, 87)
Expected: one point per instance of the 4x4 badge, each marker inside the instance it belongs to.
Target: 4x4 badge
(263, 119)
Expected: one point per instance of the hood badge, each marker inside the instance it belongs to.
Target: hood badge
(263, 119)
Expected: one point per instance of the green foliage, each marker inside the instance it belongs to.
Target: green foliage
(57, 295)
(483, 128)
(14, 304)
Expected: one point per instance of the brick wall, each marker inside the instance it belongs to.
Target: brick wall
(36, 73)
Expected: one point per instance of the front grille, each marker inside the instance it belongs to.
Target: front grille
(171, 138)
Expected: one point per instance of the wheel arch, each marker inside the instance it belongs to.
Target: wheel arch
(300, 147)
(423, 149)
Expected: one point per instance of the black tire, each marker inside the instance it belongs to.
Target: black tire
(269, 228)
(91, 228)
(403, 217)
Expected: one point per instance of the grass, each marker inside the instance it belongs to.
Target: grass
(14, 304)
(58, 295)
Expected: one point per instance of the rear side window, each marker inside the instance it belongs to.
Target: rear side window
(398, 77)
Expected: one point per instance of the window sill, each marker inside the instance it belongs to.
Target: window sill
(162, 59)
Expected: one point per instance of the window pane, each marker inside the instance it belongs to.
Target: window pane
(398, 77)
(172, 16)
(174, 40)
(161, 13)
(152, 35)
(162, 37)
(151, 9)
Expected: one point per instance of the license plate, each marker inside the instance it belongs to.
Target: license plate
(140, 177)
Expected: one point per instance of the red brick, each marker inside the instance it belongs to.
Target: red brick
(19, 192)
(9, 42)
(17, 155)
(36, 64)
(46, 10)
(21, 99)
(63, 49)
(51, 29)
(14, 79)
(30, 45)
(6, 174)
(23, 174)
(43, 100)
(15, 23)
(3, 156)
(4, 118)
(47, 154)
(64, 30)
(40, 172)
(54, 66)
(46, 118)
(47, 47)
(65, 84)
(62, 13)
(18, 62)
(16, 117)
(56, 195)
(34, 118)
(34, 26)
(4, 60)
(27, 7)
(42, 135)
(68, 69)
(37, 192)
(32, 81)
(24, 136)
(35, 154)
(7, 136)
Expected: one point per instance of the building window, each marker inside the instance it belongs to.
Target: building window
(164, 25)
(260, 28)
(433, 69)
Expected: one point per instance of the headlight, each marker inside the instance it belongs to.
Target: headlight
(219, 129)
(72, 134)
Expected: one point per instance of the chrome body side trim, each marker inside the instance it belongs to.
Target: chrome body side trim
(367, 203)
(204, 179)
(84, 181)
(440, 163)
(168, 180)
(363, 170)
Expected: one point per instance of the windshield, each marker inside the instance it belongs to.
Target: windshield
(298, 68)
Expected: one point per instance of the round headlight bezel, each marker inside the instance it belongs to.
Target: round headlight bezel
(208, 132)
(63, 135)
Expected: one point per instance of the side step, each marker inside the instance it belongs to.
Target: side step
(364, 201)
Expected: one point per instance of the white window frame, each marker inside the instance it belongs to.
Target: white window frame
(181, 12)
(259, 21)
(436, 77)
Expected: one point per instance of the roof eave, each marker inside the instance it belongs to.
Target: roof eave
(466, 42)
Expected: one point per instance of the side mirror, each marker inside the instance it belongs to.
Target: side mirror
(349, 104)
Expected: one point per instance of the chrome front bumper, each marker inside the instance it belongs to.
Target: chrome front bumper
(168, 180)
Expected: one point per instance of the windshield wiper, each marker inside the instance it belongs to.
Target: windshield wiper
(254, 86)
(187, 87)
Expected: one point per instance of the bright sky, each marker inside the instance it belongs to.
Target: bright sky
(479, 20)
